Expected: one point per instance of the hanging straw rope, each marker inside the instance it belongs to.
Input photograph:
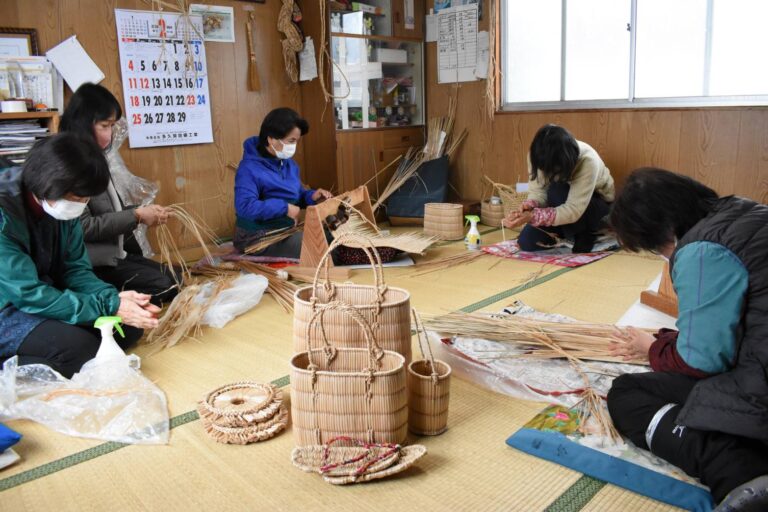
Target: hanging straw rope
(293, 42)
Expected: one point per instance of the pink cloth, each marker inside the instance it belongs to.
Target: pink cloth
(510, 249)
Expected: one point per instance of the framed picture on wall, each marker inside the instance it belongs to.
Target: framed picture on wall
(18, 42)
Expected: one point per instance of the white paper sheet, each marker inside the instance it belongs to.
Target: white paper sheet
(483, 54)
(457, 44)
(410, 19)
(431, 34)
(307, 62)
(74, 64)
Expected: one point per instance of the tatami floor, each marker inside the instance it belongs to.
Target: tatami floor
(467, 468)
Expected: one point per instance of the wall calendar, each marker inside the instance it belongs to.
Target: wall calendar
(165, 79)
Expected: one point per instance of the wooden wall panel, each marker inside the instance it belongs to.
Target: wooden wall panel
(196, 175)
(725, 148)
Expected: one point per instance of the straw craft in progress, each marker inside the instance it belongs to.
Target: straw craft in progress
(243, 412)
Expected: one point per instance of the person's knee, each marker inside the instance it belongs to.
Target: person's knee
(528, 240)
(81, 347)
(617, 395)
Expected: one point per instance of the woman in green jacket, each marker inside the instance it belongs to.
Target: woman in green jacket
(49, 296)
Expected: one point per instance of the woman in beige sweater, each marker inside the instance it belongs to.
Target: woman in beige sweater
(569, 194)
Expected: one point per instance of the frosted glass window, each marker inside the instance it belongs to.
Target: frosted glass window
(738, 48)
(671, 41)
(532, 53)
(597, 49)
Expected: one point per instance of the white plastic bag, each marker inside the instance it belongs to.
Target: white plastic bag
(111, 401)
(132, 190)
(245, 293)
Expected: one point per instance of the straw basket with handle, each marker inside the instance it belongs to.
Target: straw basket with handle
(386, 309)
(444, 220)
(356, 392)
(429, 385)
(491, 214)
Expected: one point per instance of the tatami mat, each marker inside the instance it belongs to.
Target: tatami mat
(468, 467)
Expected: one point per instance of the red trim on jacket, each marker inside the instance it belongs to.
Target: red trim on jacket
(664, 357)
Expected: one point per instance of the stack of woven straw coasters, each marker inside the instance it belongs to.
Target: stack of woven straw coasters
(243, 412)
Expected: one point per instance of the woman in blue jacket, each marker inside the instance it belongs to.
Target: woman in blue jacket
(268, 190)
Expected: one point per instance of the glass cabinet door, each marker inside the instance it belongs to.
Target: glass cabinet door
(377, 83)
(367, 18)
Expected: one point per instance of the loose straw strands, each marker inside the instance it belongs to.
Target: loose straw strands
(183, 318)
(273, 237)
(168, 249)
(404, 172)
(413, 243)
(580, 340)
(280, 289)
(570, 341)
(451, 261)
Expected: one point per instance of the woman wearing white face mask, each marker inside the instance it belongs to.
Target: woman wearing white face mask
(109, 222)
(268, 190)
(49, 295)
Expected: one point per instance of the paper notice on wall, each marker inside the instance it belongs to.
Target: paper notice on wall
(483, 54)
(307, 62)
(431, 34)
(457, 44)
(410, 19)
(74, 64)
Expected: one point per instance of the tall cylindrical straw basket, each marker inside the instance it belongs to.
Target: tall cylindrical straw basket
(444, 220)
(491, 214)
(386, 309)
(355, 392)
(429, 383)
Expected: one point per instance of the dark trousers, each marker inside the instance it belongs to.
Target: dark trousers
(583, 231)
(721, 461)
(65, 347)
(142, 275)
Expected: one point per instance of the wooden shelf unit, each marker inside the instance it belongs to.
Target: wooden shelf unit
(48, 119)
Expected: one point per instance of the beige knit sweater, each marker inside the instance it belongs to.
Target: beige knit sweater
(590, 175)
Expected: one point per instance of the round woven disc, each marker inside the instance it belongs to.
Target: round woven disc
(241, 403)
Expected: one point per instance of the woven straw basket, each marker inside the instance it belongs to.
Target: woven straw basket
(429, 383)
(444, 220)
(491, 214)
(386, 309)
(510, 198)
(355, 392)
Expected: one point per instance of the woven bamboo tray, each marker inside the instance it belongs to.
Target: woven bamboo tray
(360, 393)
(491, 214)
(444, 220)
(386, 309)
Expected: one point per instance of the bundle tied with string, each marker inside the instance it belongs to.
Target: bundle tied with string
(386, 309)
(293, 43)
(355, 392)
(429, 386)
(243, 412)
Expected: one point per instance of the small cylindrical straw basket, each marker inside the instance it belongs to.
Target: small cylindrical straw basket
(386, 309)
(429, 386)
(444, 220)
(491, 214)
(355, 392)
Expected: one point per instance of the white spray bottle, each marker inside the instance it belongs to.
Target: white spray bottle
(109, 349)
(473, 235)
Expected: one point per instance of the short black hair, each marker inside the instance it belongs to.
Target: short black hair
(90, 104)
(278, 124)
(554, 152)
(65, 164)
(657, 205)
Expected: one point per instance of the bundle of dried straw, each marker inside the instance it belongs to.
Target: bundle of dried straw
(540, 339)
(273, 237)
(413, 242)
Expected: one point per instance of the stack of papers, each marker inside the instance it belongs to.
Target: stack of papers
(18, 137)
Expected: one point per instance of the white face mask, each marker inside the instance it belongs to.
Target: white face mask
(63, 209)
(288, 151)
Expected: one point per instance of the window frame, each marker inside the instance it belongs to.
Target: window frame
(631, 102)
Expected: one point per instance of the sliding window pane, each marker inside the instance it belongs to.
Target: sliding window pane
(532, 53)
(738, 48)
(597, 49)
(671, 40)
